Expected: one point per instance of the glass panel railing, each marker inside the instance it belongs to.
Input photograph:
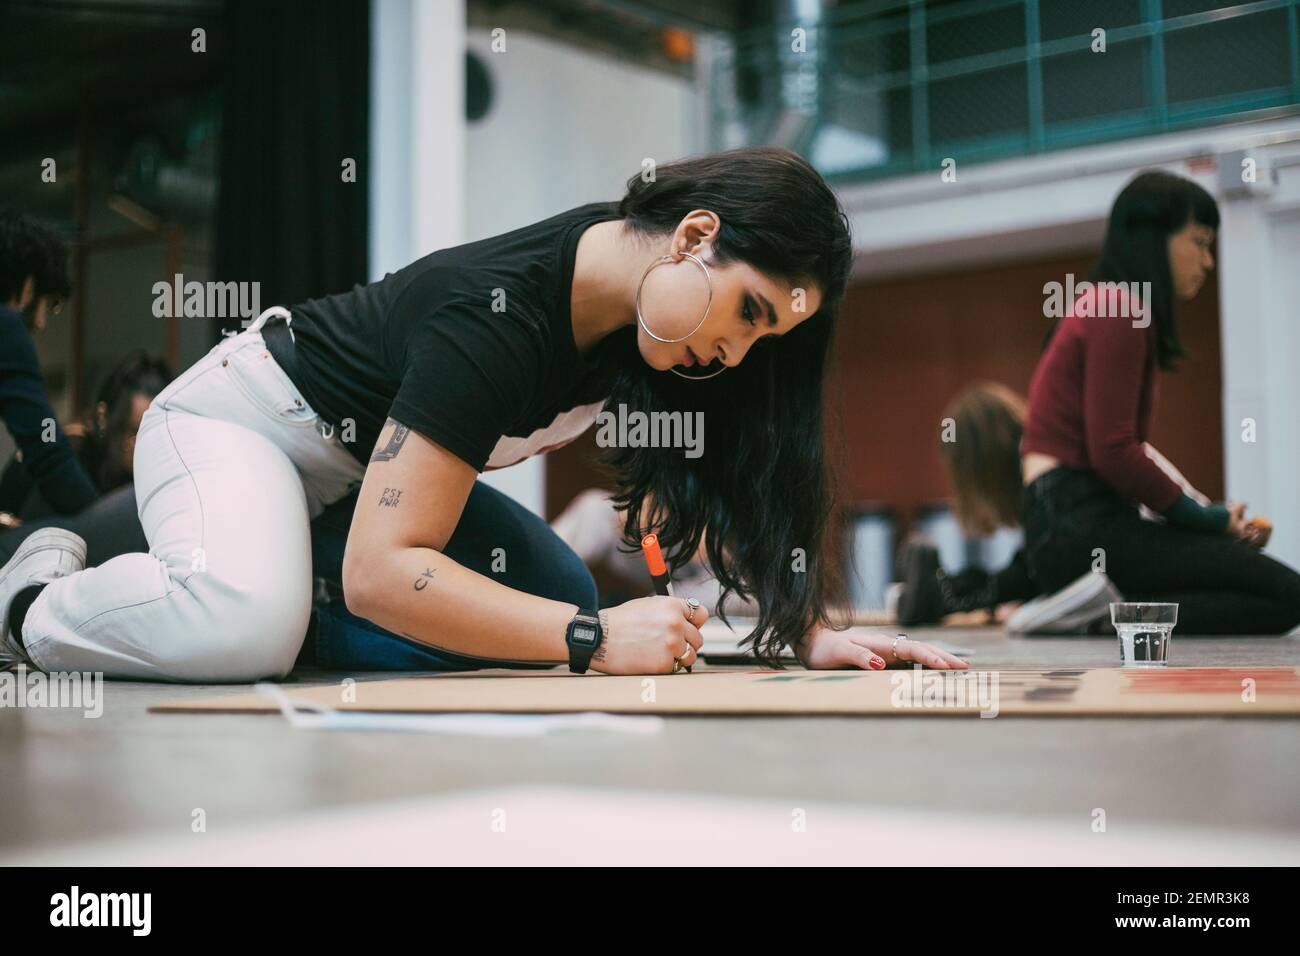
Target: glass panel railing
(883, 87)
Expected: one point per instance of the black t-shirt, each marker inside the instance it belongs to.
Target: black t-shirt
(471, 346)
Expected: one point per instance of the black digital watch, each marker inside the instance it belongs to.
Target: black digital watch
(583, 637)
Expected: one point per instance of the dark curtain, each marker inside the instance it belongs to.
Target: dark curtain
(296, 105)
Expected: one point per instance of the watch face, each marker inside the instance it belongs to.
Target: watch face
(584, 633)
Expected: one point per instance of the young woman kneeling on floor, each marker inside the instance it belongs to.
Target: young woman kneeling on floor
(710, 291)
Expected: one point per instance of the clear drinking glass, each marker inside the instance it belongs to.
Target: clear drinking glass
(1145, 631)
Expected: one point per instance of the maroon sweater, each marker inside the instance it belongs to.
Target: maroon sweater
(1091, 400)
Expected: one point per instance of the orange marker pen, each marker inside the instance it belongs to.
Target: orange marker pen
(654, 560)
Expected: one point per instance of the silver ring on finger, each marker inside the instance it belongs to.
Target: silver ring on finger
(694, 605)
(894, 649)
(677, 664)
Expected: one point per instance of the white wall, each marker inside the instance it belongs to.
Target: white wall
(417, 130)
(566, 127)
(1058, 203)
(1260, 286)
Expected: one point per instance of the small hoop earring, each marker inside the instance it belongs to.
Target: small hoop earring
(641, 319)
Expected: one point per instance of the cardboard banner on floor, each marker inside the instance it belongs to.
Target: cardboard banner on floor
(1174, 691)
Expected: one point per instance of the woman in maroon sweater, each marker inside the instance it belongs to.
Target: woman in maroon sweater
(1091, 400)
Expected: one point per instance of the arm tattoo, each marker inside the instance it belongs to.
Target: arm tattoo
(423, 580)
(389, 498)
(599, 653)
(394, 445)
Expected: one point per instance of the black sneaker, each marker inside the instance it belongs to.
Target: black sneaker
(921, 599)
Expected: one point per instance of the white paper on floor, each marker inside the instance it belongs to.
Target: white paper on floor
(306, 716)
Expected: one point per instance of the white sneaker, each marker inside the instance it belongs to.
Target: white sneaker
(44, 556)
(1075, 609)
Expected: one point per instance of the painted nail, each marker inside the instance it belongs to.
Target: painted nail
(877, 663)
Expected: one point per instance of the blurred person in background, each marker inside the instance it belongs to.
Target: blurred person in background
(983, 462)
(34, 284)
(105, 447)
(1085, 463)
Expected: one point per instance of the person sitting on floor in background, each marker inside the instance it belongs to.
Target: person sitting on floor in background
(33, 285)
(104, 442)
(1092, 397)
(983, 461)
(105, 447)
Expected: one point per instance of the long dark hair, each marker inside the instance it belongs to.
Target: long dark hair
(1152, 207)
(760, 495)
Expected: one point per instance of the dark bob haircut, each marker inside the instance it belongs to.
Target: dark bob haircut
(1151, 208)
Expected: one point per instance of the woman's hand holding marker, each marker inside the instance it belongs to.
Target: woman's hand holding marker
(650, 635)
(654, 561)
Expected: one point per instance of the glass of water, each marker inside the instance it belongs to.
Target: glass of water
(1145, 631)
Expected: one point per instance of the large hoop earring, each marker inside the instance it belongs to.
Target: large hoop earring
(641, 319)
(698, 378)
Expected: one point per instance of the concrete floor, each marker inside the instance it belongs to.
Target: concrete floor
(64, 778)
